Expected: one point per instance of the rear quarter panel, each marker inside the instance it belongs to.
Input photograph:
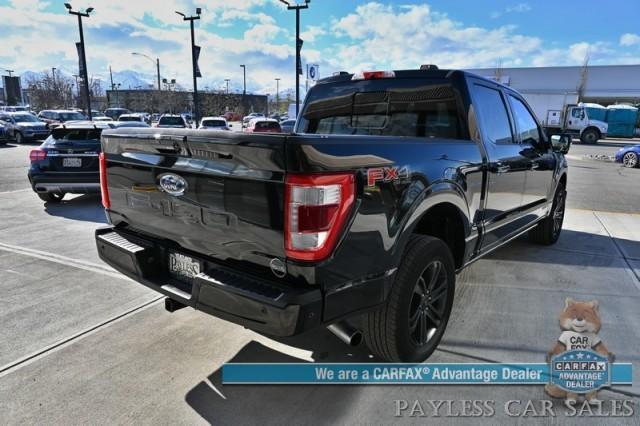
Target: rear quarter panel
(430, 171)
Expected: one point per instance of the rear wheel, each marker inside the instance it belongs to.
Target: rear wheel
(409, 326)
(19, 138)
(590, 136)
(50, 197)
(548, 230)
(630, 159)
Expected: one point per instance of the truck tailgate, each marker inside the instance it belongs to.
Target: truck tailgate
(217, 193)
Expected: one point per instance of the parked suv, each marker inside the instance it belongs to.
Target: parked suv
(263, 125)
(59, 116)
(132, 117)
(392, 183)
(175, 121)
(23, 126)
(67, 162)
(4, 133)
(114, 113)
(214, 123)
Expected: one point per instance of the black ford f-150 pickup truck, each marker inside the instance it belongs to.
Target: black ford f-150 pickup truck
(391, 183)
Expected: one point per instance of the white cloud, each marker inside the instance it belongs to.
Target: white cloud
(409, 36)
(517, 8)
(312, 32)
(373, 35)
(629, 39)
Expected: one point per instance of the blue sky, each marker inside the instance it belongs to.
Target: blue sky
(339, 35)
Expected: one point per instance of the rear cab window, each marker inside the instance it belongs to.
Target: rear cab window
(403, 107)
(214, 123)
(171, 121)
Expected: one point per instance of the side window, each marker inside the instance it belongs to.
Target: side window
(527, 127)
(490, 105)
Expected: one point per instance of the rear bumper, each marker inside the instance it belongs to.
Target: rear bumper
(74, 183)
(256, 303)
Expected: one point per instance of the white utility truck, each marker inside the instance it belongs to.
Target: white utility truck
(561, 113)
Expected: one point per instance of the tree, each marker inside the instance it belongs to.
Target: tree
(47, 91)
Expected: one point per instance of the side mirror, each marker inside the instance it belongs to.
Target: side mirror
(561, 143)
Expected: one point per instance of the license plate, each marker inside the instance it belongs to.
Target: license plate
(182, 266)
(72, 162)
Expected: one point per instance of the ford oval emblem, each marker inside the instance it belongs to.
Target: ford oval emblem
(173, 184)
(278, 267)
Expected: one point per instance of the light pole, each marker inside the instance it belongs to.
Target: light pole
(194, 60)
(156, 62)
(278, 95)
(83, 57)
(227, 81)
(244, 78)
(297, 8)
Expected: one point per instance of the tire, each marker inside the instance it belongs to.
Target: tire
(50, 197)
(548, 230)
(590, 136)
(19, 138)
(630, 160)
(410, 324)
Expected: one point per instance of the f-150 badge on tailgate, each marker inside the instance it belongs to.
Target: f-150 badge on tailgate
(173, 184)
(386, 174)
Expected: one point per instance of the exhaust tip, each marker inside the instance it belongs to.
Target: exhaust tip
(345, 332)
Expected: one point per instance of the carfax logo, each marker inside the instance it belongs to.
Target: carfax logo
(579, 361)
(580, 371)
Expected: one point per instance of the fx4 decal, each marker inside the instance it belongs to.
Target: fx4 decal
(386, 174)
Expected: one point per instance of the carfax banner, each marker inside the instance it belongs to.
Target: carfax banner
(576, 376)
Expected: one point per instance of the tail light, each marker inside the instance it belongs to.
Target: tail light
(316, 209)
(104, 188)
(37, 155)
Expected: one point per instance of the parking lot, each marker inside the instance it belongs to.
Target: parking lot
(78, 338)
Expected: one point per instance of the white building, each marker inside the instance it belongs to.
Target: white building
(605, 84)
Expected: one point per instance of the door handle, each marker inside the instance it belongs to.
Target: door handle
(502, 168)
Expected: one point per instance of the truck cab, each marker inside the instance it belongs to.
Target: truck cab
(578, 122)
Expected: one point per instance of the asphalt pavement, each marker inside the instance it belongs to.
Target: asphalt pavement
(82, 344)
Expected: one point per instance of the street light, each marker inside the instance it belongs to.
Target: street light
(244, 74)
(83, 57)
(278, 95)
(227, 81)
(194, 59)
(9, 71)
(156, 62)
(297, 8)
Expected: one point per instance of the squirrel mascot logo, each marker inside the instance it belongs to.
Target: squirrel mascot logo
(580, 325)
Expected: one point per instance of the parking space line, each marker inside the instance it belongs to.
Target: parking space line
(63, 343)
(629, 269)
(63, 260)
